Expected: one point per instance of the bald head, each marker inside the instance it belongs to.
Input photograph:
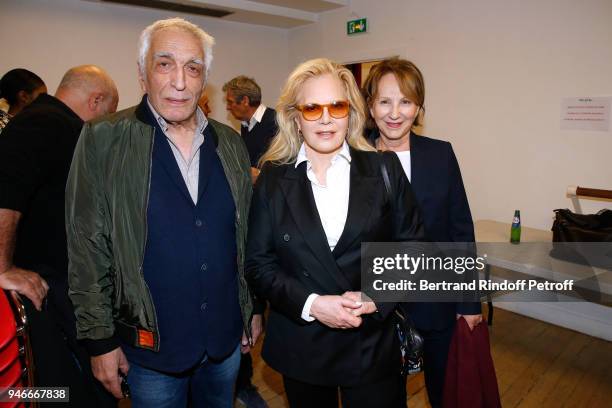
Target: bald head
(89, 91)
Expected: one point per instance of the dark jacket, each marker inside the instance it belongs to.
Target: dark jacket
(258, 139)
(106, 212)
(288, 258)
(440, 194)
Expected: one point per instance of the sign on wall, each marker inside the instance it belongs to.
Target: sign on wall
(356, 26)
(586, 113)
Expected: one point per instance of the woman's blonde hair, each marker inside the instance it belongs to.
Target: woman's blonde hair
(285, 146)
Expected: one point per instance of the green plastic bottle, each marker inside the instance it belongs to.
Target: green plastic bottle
(515, 230)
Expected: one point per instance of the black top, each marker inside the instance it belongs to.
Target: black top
(258, 139)
(36, 150)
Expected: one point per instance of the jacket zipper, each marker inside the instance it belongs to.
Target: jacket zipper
(144, 246)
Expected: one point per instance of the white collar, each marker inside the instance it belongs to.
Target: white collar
(256, 118)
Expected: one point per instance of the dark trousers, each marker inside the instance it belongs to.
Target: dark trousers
(386, 393)
(58, 359)
(245, 372)
(435, 355)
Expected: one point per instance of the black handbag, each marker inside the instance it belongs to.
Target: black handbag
(573, 235)
(411, 341)
(572, 227)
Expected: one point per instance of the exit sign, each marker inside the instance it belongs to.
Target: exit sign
(356, 26)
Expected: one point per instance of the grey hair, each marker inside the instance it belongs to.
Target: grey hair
(144, 44)
(242, 86)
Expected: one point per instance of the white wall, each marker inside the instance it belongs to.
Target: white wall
(495, 73)
(48, 37)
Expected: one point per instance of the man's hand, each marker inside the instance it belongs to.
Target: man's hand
(367, 306)
(106, 369)
(22, 281)
(256, 329)
(26, 283)
(336, 312)
(472, 320)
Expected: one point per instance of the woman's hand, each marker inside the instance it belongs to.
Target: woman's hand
(472, 320)
(367, 306)
(336, 311)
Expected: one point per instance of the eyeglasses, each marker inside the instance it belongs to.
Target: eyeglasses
(314, 111)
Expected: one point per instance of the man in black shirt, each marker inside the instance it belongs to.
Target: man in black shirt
(35, 154)
(243, 100)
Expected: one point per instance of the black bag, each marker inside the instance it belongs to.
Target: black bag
(571, 227)
(411, 341)
(573, 235)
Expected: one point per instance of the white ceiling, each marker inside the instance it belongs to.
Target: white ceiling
(273, 13)
(314, 6)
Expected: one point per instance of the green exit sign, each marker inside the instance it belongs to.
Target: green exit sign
(356, 26)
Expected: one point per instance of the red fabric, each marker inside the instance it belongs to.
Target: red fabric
(470, 376)
(11, 368)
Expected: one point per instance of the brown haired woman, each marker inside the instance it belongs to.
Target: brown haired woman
(395, 95)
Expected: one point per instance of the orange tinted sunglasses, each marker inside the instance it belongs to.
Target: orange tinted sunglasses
(314, 111)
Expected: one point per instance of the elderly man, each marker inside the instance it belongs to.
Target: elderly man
(157, 204)
(36, 149)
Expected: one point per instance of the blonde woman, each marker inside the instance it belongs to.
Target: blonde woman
(319, 195)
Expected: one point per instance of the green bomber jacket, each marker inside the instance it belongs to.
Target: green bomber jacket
(106, 224)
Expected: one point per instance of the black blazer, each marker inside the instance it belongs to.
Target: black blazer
(288, 258)
(438, 187)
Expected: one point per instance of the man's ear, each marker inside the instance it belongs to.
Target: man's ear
(141, 78)
(245, 101)
(94, 100)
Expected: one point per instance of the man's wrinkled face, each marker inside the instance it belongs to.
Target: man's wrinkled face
(175, 74)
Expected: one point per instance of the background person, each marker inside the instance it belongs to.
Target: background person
(204, 104)
(258, 122)
(305, 234)
(19, 87)
(35, 153)
(395, 94)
